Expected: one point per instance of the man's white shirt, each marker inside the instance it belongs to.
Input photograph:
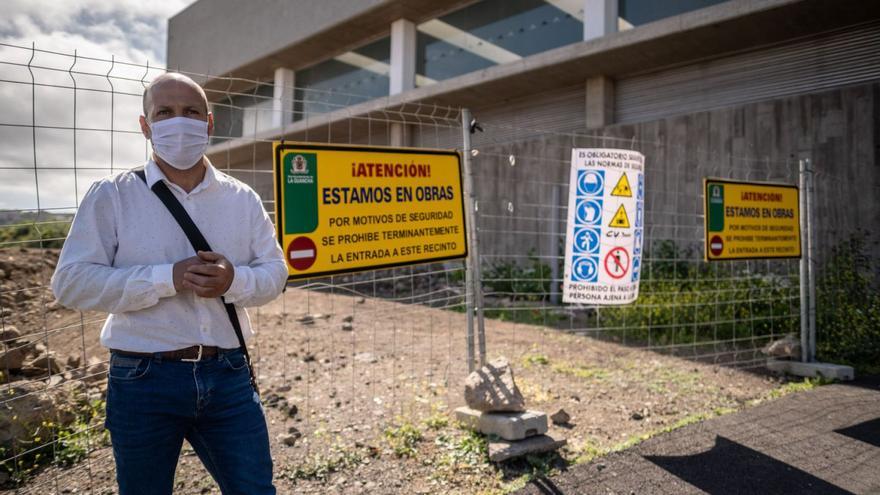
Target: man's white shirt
(123, 243)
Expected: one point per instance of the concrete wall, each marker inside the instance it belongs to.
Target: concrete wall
(839, 129)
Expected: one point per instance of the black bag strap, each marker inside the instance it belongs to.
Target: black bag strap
(199, 243)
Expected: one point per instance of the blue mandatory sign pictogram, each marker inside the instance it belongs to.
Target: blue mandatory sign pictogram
(637, 242)
(589, 211)
(586, 240)
(640, 190)
(585, 269)
(636, 268)
(640, 213)
(591, 182)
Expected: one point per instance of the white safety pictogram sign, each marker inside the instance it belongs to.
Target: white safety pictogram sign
(606, 217)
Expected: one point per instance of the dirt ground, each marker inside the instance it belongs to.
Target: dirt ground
(369, 410)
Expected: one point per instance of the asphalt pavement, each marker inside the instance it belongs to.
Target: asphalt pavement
(822, 441)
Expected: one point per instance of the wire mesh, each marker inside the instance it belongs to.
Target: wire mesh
(344, 358)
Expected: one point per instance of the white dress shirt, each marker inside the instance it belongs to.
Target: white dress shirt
(123, 243)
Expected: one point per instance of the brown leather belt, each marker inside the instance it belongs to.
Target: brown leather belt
(194, 353)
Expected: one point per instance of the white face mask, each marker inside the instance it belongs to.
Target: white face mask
(179, 141)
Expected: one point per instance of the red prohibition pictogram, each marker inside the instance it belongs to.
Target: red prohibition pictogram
(301, 253)
(617, 262)
(716, 245)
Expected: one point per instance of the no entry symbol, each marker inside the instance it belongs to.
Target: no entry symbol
(716, 245)
(617, 262)
(301, 253)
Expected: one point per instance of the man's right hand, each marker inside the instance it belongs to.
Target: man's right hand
(180, 268)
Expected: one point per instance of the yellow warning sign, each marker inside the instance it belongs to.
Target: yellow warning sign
(749, 220)
(620, 220)
(622, 188)
(342, 208)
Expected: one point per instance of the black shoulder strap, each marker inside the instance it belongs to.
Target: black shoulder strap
(199, 243)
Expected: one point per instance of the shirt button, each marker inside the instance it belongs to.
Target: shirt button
(204, 328)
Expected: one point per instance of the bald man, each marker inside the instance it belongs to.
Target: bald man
(177, 370)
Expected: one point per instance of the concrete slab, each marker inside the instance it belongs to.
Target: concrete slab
(825, 370)
(502, 450)
(509, 426)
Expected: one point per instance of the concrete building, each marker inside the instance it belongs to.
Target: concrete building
(700, 81)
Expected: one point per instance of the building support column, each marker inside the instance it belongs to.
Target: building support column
(402, 76)
(600, 102)
(600, 18)
(282, 98)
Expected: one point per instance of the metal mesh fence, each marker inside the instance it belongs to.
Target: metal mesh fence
(345, 362)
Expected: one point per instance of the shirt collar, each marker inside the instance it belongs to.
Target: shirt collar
(154, 174)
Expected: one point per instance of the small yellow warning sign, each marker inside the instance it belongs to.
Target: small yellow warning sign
(622, 188)
(620, 220)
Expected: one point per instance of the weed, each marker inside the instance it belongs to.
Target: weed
(581, 371)
(51, 443)
(531, 359)
(436, 421)
(403, 439)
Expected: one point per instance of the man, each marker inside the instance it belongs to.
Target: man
(176, 369)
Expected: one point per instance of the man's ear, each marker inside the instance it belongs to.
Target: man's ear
(210, 123)
(145, 128)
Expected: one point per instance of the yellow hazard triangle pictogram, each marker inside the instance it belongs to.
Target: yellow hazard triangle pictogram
(622, 188)
(620, 220)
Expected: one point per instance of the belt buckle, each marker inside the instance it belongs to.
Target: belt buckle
(197, 358)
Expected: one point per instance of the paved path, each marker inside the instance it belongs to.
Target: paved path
(826, 440)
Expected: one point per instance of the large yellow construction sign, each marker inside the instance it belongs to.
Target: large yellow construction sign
(341, 208)
(751, 220)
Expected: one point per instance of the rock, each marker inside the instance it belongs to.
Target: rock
(348, 327)
(560, 417)
(26, 405)
(283, 388)
(638, 416)
(308, 358)
(306, 319)
(493, 389)
(348, 319)
(365, 357)
(503, 450)
(46, 362)
(288, 439)
(292, 411)
(508, 425)
(96, 371)
(294, 431)
(361, 300)
(73, 362)
(13, 359)
(786, 347)
(10, 334)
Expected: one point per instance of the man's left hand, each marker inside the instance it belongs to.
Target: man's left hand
(212, 278)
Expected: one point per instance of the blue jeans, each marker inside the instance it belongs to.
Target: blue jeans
(154, 404)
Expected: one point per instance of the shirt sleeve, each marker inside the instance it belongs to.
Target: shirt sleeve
(85, 277)
(263, 279)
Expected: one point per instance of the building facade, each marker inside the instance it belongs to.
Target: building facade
(773, 80)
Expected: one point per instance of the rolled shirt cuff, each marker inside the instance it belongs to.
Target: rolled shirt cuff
(239, 284)
(163, 280)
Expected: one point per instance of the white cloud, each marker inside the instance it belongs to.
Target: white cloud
(133, 31)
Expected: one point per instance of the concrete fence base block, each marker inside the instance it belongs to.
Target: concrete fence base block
(824, 370)
(509, 426)
(502, 450)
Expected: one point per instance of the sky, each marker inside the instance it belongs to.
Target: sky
(128, 30)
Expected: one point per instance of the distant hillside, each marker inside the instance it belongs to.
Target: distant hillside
(33, 229)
